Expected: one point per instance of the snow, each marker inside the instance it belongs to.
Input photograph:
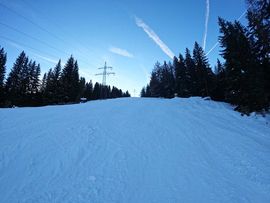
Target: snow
(134, 150)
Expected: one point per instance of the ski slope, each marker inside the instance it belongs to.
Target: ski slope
(134, 150)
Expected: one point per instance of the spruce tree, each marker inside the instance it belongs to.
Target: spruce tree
(33, 95)
(96, 91)
(82, 87)
(43, 84)
(155, 81)
(143, 92)
(75, 82)
(190, 82)
(234, 41)
(50, 88)
(203, 74)
(126, 94)
(36, 94)
(243, 74)
(70, 81)
(147, 91)
(56, 82)
(218, 93)
(14, 84)
(259, 32)
(167, 81)
(180, 76)
(88, 93)
(3, 60)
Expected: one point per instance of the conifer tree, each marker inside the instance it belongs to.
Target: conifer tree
(50, 88)
(218, 93)
(43, 84)
(3, 60)
(96, 91)
(75, 82)
(243, 73)
(204, 75)
(155, 81)
(82, 87)
(143, 92)
(14, 84)
(70, 81)
(88, 93)
(126, 94)
(56, 82)
(180, 76)
(167, 81)
(259, 33)
(147, 91)
(33, 96)
(235, 44)
(190, 82)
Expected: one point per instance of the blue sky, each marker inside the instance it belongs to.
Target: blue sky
(131, 35)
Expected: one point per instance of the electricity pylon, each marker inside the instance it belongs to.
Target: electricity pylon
(105, 73)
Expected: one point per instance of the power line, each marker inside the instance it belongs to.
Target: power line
(32, 22)
(40, 27)
(57, 25)
(34, 38)
(27, 46)
(39, 40)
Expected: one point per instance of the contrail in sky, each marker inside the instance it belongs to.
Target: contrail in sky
(154, 37)
(206, 23)
(121, 52)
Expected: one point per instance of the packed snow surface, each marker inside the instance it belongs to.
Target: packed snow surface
(134, 150)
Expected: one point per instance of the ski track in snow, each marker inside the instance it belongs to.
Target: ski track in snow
(134, 150)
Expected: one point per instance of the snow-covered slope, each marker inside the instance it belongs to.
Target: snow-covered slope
(134, 150)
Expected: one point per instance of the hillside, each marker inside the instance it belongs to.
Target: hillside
(134, 150)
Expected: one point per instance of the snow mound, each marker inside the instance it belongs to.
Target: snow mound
(134, 150)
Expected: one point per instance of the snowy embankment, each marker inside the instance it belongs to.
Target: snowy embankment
(134, 150)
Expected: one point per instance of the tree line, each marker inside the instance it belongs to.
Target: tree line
(243, 79)
(23, 86)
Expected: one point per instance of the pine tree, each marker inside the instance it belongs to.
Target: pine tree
(167, 80)
(155, 81)
(50, 88)
(259, 31)
(43, 88)
(56, 82)
(36, 94)
(75, 82)
(96, 91)
(243, 75)
(233, 41)
(147, 91)
(88, 93)
(70, 81)
(14, 84)
(143, 92)
(24, 82)
(33, 96)
(126, 94)
(180, 76)
(259, 24)
(53, 92)
(114, 93)
(218, 93)
(190, 82)
(3, 60)
(82, 87)
(202, 71)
